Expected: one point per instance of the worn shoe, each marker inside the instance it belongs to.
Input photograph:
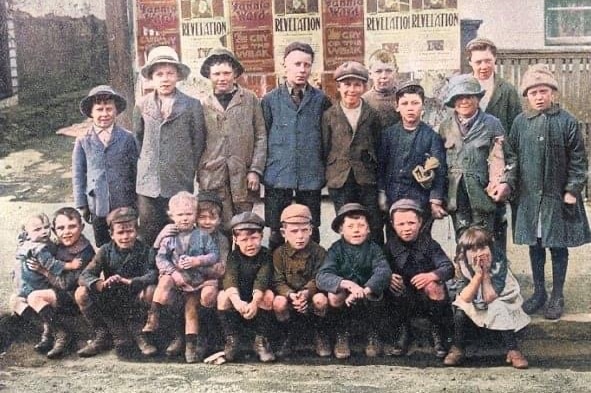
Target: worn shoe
(231, 347)
(400, 347)
(454, 357)
(263, 350)
(322, 345)
(341, 346)
(286, 348)
(438, 342)
(555, 308)
(517, 360)
(100, 343)
(535, 302)
(374, 346)
(152, 323)
(46, 342)
(62, 341)
(145, 346)
(176, 346)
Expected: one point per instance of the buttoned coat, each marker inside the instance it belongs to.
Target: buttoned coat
(345, 150)
(294, 139)
(504, 104)
(295, 270)
(467, 159)
(236, 144)
(170, 149)
(545, 157)
(103, 177)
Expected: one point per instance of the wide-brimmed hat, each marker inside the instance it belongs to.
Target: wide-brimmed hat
(220, 55)
(348, 210)
(296, 214)
(351, 69)
(462, 85)
(537, 74)
(102, 90)
(164, 55)
(247, 220)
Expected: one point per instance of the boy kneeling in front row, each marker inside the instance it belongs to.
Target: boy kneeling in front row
(114, 304)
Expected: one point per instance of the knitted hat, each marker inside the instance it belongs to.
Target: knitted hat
(221, 55)
(164, 55)
(102, 90)
(462, 85)
(296, 214)
(537, 74)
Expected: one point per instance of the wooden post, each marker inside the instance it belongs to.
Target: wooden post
(119, 33)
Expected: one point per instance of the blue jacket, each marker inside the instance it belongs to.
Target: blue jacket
(398, 182)
(294, 143)
(104, 176)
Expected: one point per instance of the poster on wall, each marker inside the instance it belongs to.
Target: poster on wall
(157, 24)
(297, 20)
(343, 32)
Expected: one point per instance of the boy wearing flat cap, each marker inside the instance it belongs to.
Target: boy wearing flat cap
(350, 132)
(295, 164)
(420, 269)
(116, 286)
(104, 162)
(246, 297)
(545, 155)
(355, 274)
(297, 299)
(233, 161)
(170, 130)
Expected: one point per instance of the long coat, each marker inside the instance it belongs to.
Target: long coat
(545, 157)
(504, 103)
(398, 182)
(236, 144)
(294, 145)
(170, 149)
(104, 176)
(467, 159)
(345, 150)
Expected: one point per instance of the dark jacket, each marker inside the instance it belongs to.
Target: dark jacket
(295, 270)
(421, 256)
(248, 273)
(505, 103)
(170, 149)
(366, 265)
(136, 264)
(398, 182)
(104, 177)
(294, 139)
(545, 157)
(345, 150)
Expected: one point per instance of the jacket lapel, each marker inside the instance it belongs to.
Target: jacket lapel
(181, 102)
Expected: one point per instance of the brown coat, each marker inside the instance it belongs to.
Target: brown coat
(345, 151)
(236, 144)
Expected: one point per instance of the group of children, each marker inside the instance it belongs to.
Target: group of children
(372, 157)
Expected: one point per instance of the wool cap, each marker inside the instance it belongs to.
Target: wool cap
(301, 46)
(462, 85)
(102, 90)
(121, 214)
(406, 204)
(221, 55)
(347, 210)
(296, 214)
(537, 74)
(164, 55)
(351, 69)
(209, 196)
(247, 220)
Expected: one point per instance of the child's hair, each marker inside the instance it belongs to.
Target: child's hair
(23, 235)
(182, 197)
(69, 212)
(354, 216)
(247, 232)
(384, 56)
(209, 207)
(410, 89)
(473, 237)
(480, 45)
(101, 99)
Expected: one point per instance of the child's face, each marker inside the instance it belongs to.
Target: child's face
(297, 235)
(38, 230)
(248, 244)
(410, 107)
(164, 79)
(351, 90)
(466, 106)
(183, 215)
(68, 230)
(406, 224)
(540, 97)
(222, 78)
(103, 113)
(124, 234)
(208, 221)
(355, 230)
(479, 258)
(482, 63)
(298, 66)
(383, 75)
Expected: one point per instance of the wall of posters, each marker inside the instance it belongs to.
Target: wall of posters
(157, 23)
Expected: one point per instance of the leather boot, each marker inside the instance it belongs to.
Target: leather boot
(455, 356)
(555, 307)
(374, 347)
(195, 348)
(537, 256)
(321, 338)
(101, 343)
(439, 341)
(46, 342)
(230, 321)
(145, 346)
(341, 346)
(400, 347)
(516, 359)
(153, 319)
(263, 349)
(62, 341)
(288, 342)
(176, 345)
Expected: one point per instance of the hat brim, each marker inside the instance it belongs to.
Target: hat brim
(183, 69)
(553, 87)
(87, 102)
(206, 66)
(351, 76)
(450, 102)
(338, 220)
(247, 225)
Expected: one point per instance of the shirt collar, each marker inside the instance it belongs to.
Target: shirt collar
(108, 130)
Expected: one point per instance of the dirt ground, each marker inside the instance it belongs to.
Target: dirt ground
(38, 179)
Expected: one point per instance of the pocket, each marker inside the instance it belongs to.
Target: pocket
(569, 211)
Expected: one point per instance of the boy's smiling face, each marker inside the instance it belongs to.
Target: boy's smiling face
(355, 230)
(68, 230)
(103, 113)
(208, 220)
